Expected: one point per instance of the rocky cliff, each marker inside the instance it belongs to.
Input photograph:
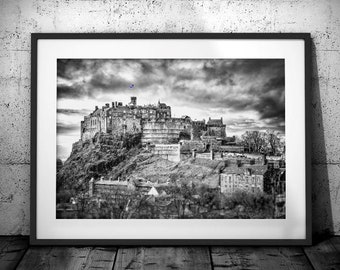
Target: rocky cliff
(95, 158)
(112, 156)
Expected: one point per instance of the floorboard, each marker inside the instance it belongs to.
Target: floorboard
(325, 255)
(336, 242)
(159, 258)
(101, 258)
(68, 258)
(15, 254)
(235, 258)
(12, 249)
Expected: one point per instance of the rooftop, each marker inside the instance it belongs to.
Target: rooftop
(113, 183)
(254, 169)
(213, 122)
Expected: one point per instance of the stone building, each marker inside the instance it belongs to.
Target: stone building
(154, 122)
(171, 152)
(231, 148)
(97, 121)
(276, 162)
(122, 188)
(166, 130)
(198, 129)
(120, 119)
(112, 187)
(247, 178)
(215, 127)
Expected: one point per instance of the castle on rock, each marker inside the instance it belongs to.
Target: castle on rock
(154, 122)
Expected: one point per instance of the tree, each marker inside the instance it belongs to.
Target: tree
(254, 140)
(184, 135)
(273, 142)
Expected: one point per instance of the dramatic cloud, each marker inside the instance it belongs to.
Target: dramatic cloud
(252, 84)
(90, 78)
(238, 85)
(66, 129)
(63, 152)
(73, 112)
(248, 93)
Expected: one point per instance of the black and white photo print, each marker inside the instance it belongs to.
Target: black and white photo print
(170, 139)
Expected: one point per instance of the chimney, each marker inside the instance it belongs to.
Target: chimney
(116, 104)
(96, 108)
(113, 104)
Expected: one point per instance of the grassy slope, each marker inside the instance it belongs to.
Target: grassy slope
(109, 156)
(152, 168)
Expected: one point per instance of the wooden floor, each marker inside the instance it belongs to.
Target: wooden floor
(16, 254)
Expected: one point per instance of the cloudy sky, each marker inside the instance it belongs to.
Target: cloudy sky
(248, 93)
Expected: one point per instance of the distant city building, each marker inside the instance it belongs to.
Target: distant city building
(232, 148)
(114, 188)
(276, 161)
(247, 178)
(120, 188)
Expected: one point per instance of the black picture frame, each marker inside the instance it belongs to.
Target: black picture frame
(35, 37)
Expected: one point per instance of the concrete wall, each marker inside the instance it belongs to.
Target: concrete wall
(18, 18)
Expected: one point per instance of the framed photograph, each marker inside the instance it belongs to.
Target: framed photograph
(170, 139)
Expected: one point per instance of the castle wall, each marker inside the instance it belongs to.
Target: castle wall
(90, 126)
(231, 159)
(102, 121)
(198, 129)
(206, 155)
(231, 148)
(189, 146)
(164, 132)
(170, 152)
(218, 131)
(127, 125)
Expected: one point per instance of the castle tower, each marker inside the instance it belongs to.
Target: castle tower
(134, 101)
